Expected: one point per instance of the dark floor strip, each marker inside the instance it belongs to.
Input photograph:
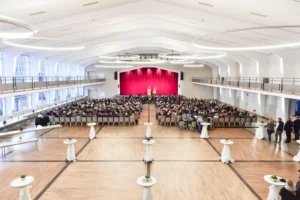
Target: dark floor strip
(46, 132)
(117, 161)
(247, 185)
(64, 137)
(238, 175)
(212, 146)
(88, 142)
(273, 144)
(51, 182)
(32, 160)
(141, 160)
(61, 171)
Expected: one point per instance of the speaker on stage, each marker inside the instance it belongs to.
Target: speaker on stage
(116, 75)
(181, 76)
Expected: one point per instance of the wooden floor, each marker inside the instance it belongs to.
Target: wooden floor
(186, 167)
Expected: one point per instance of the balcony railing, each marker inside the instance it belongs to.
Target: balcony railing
(282, 85)
(15, 84)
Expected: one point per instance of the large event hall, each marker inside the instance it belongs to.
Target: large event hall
(149, 100)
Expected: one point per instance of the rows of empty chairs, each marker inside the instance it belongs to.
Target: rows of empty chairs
(234, 121)
(79, 120)
(218, 122)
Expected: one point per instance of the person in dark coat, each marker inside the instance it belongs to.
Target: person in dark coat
(288, 192)
(288, 127)
(296, 128)
(298, 182)
(38, 121)
(279, 130)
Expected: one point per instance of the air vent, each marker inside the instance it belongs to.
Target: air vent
(206, 4)
(89, 4)
(37, 13)
(257, 14)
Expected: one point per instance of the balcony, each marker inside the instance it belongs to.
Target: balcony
(12, 85)
(289, 87)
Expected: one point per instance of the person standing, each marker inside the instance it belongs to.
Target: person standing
(296, 128)
(279, 130)
(270, 129)
(288, 127)
(199, 123)
(288, 192)
(298, 182)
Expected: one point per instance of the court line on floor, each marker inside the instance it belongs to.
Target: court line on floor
(274, 144)
(15, 161)
(62, 170)
(46, 132)
(238, 175)
(51, 182)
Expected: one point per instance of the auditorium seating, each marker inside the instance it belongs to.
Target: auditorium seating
(79, 120)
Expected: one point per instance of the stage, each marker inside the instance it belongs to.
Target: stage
(138, 81)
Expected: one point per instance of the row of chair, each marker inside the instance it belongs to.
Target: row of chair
(235, 121)
(218, 122)
(130, 120)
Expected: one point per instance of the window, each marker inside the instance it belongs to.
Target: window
(20, 103)
(21, 68)
(42, 97)
(2, 111)
(1, 67)
(68, 92)
(58, 69)
(43, 68)
(56, 96)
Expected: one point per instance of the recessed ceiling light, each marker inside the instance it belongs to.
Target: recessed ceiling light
(37, 13)
(206, 4)
(92, 3)
(257, 14)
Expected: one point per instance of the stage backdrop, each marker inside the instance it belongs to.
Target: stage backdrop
(137, 81)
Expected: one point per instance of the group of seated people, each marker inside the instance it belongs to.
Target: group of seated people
(191, 109)
(125, 106)
(179, 105)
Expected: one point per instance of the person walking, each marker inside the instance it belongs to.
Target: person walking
(296, 128)
(279, 130)
(288, 127)
(270, 129)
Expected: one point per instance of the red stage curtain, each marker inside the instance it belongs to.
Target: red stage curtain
(137, 81)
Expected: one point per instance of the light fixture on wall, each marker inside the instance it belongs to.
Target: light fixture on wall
(31, 29)
(71, 46)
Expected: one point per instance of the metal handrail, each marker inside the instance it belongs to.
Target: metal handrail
(273, 84)
(14, 84)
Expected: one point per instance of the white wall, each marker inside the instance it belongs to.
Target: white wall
(110, 88)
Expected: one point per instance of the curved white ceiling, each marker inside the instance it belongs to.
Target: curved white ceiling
(113, 26)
